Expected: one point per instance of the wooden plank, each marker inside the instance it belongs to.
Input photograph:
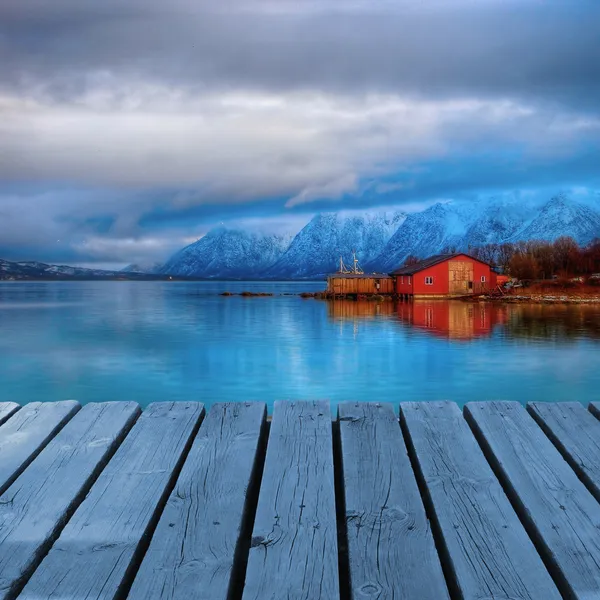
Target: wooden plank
(485, 550)
(594, 408)
(197, 550)
(99, 546)
(561, 515)
(37, 505)
(390, 545)
(576, 434)
(7, 409)
(294, 544)
(25, 435)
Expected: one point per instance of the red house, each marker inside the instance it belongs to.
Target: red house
(445, 275)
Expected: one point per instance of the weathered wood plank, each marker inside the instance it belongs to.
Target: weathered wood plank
(561, 515)
(294, 544)
(24, 436)
(37, 505)
(196, 549)
(100, 544)
(7, 409)
(486, 552)
(576, 434)
(390, 545)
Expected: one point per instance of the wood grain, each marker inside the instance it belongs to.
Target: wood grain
(98, 548)
(35, 508)
(294, 550)
(195, 546)
(391, 549)
(561, 515)
(7, 409)
(486, 552)
(576, 434)
(26, 434)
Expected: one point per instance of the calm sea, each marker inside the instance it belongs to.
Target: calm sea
(148, 341)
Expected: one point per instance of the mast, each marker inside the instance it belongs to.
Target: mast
(357, 270)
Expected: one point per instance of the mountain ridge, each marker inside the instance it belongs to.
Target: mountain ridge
(384, 239)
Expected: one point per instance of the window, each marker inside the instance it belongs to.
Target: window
(409, 280)
(402, 280)
(483, 279)
(428, 280)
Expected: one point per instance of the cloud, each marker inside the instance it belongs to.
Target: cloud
(125, 127)
(530, 48)
(333, 190)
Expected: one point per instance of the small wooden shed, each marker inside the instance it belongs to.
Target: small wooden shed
(354, 284)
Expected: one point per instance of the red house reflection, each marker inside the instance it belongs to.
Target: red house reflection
(452, 320)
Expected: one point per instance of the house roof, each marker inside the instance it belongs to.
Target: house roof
(430, 262)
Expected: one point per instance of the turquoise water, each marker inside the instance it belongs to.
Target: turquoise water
(152, 341)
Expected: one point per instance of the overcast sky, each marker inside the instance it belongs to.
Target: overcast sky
(130, 127)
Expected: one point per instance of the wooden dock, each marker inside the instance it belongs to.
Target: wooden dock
(412, 501)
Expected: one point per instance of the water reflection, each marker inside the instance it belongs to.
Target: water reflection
(152, 341)
(455, 320)
(452, 320)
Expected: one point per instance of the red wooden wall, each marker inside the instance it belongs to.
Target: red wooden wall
(415, 284)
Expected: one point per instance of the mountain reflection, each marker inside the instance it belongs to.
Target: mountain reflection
(465, 320)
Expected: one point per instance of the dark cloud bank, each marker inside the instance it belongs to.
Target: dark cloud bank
(128, 128)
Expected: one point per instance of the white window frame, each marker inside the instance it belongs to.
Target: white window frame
(483, 279)
(409, 280)
(401, 279)
(429, 280)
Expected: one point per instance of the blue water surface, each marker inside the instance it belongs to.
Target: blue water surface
(156, 341)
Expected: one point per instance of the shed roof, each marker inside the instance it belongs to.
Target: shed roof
(430, 262)
(360, 275)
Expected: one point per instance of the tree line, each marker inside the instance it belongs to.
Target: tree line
(536, 259)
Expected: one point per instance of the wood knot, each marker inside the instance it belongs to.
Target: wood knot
(370, 589)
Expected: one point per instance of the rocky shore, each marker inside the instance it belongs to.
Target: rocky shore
(540, 299)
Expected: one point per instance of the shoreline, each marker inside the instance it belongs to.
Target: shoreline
(507, 299)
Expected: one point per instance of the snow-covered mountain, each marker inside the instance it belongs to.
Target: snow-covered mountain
(383, 240)
(228, 253)
(462, 225)
(146, 268)
(495, 220)
(317, 249)
(435, 228)
(562, 216)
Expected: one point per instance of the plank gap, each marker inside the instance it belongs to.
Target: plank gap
(520, 509)
(140, 551)
(438, 538)
(241, 554)
(340, 511)
(44, 548)
(35, 451)
(578, 468)
(7, 410)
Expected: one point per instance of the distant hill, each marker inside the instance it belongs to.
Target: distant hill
(20, 271)
(148, 269)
